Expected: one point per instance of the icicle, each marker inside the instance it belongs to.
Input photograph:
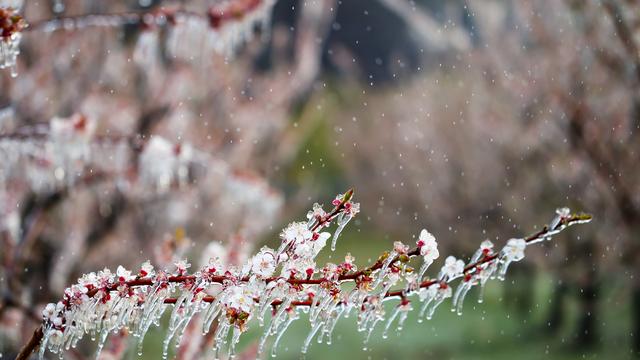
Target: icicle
(275, 321)
(103, 339)
(221, 334)
(504, 266)
(281, 310)
(264, 337)
(330, 317)
(320, 337)
(58, 6)
(456, 295)
(440, 296)
(13, 70)
(390, 321)
(486, 273)
(265, 22)
(43, 344)
(235, 338)
(9, 51)
(385, 288)
(383, 269)
(436, 302)
(337, 232)
(342, 220)
(193, 309)
(481, 293)
(331, 324)
(458, 298)
(423, 269)
(312, 333)
(361, 321)
(364, 319)
(265, 303)
(281, 332)
(153, 308)
(180, 313)
(370, 331)
(403, 318)
(146, 48)
(210, 315)
(561, 213)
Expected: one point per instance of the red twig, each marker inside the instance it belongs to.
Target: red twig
(342, 278)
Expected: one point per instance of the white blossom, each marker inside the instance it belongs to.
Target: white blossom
(428, 246)
(400, 248)
(316, 213)
(486, 245)
(264, 263)
(146, 269)
(563, 212)
(182, 266)
(452, 268)
(238, 299)
(123, 274)
(514, 250)
(90, 279)
(320, 242)
(49, 311)
(296, 233)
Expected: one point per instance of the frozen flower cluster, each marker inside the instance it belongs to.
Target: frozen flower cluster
(163, 163)
(67, 151)
(275, 287)
(220, 29)
(61, 152)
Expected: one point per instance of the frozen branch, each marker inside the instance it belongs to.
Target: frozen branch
(231, 23)
(103, 302)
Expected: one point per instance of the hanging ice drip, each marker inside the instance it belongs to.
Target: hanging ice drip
(69, 146)
(163, 164)
(11, 25)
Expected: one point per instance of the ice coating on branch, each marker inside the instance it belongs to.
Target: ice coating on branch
(351, 209)
(230, 299)
(69, 146)
(561, 214)
(147, 47)
(222, 31)
(400, 311)
(11, 26)
(315, 215)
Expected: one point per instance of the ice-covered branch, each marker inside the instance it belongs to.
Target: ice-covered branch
(275, 286)
(226, 25)
(217, 16)
(65, 151)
